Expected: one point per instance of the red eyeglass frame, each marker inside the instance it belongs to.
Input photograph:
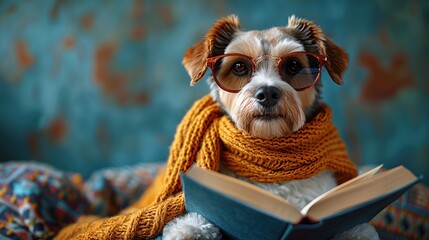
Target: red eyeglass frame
(211, 62)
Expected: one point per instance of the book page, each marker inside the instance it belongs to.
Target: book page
(361, 177)
(247, 193)
(360, 192)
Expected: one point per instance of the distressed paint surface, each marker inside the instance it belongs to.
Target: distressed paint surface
(90, 84)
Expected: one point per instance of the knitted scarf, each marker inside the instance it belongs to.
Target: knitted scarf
(205, 137)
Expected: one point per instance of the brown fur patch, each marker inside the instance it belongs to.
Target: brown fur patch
(338, 60)
(307, 98)
(315, 41)
(214, 43)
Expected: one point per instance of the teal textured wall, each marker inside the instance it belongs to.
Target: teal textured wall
(89, 84)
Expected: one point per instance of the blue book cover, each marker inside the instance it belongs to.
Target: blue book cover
(244, 211)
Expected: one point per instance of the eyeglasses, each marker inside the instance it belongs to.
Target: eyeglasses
(233, 71)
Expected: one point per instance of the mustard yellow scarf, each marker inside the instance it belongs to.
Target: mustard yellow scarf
(206, 136)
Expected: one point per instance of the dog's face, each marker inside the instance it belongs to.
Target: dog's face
(266, 81)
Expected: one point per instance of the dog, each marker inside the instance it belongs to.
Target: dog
(256, 83)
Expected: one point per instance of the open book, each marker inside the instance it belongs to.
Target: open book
(245, 211)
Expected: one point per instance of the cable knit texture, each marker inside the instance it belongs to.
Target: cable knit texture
(205, 137)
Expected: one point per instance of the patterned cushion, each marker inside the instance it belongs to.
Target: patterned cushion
(36, 201)
(407, 217)
(113, 189)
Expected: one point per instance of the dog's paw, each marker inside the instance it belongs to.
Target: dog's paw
(191, 226)
(363, 231)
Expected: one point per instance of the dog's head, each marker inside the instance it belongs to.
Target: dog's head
(266, 81)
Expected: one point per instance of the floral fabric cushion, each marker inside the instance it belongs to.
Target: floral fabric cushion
(36, 200)
(407, 217)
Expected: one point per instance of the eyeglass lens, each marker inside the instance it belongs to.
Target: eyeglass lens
(234, 72)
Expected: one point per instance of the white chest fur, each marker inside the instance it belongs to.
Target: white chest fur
(298, 192)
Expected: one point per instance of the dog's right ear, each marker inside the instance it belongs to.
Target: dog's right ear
(213, 44)
(314, 40)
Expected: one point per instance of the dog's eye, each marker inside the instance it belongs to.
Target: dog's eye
(239, 68)
(292, 66)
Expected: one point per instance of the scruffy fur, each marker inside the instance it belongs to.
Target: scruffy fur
(289, 114)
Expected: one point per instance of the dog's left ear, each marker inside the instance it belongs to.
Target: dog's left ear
(338, 60)
(314, 40)
(213, 44)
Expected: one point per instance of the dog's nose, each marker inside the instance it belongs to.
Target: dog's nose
(267, 96)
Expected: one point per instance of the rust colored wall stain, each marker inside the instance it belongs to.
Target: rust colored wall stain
(101, 134)
(113, 84)
(384, 38)
(57, 130)
(56, 8)
(384, 83)
(141, 98)
(138, 33)
(69, 42)
(137, 9)
(166, 14)
(87, 21)
(12, 9)
(33, 143)
(23, 56)
(109, 81)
